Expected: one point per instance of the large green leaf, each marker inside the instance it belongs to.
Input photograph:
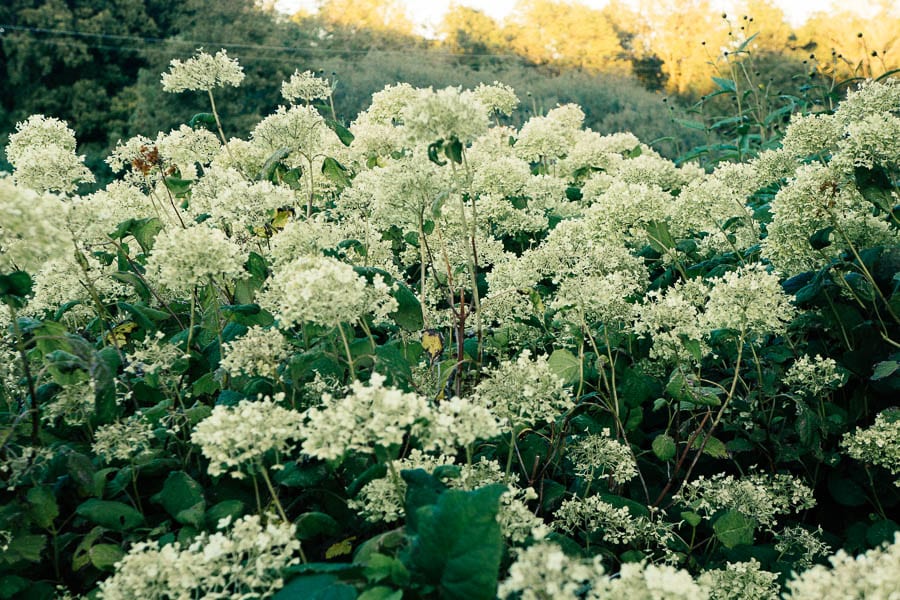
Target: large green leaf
(316, 587)
(565, 365)
(458, 545)
(409, 311)
(182, 497)
(734, 529)
(112, 515)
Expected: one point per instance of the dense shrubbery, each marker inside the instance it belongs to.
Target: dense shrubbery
(432, 354)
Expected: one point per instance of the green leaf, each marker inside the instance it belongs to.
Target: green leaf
(453, 150)
(178, 186)
(724, 84)
(335, 172)
(565, 365)
(315, 524)
(409, 311)
(10, 585)
(664, 447)
(846, 491)
(344, 134)
(714, 447)
(205, 120)
(881, 531)
(316, 587)
(734, 529)
(875, 186)
(885, 369)
(145, 231)
(182, 497)
(43, 507)
(691, 518)
(26, 547)
(458, 545)
(821, 238)
(661, 239)
(232, 509)
(104, 372)
(381, 593)
(105, 556)
(112, 515)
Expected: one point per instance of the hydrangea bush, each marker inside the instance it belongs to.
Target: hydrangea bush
(429, 354)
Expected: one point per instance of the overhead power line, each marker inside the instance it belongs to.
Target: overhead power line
(147, 43)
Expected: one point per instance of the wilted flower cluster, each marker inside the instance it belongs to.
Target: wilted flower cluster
(202, 72)
(234, 438)
(878, 444)
(246, 560)
(758, 496)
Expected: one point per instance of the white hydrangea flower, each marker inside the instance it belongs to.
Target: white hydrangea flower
(248, 560)
(125, 440)
(878, 444)
(30, 231)
(525, 391)
(42, 151)
(203, 72)
(298, 128)
(182, 258)
(370, 415)
(257, 352)
(498, 97)
(444, 114)
(813, 377)
(305, 86)
(459, 423)
(758, 496)
(740, 580)
(544, 572)
(750, 301)
(599, 455)
(619, 526)
(326, 291)
(873, 574)
(236, 437)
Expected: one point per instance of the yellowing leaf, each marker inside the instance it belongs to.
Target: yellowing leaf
(342, 548)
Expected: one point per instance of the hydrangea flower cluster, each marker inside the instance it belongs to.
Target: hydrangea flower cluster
(244, 560)
(878, 444)
(183, 258)
(42, 150)
(758, 496)
(325, 291)
(370, 415)
(203, 73)
(257, 352)
(235, 438)
(525, 392)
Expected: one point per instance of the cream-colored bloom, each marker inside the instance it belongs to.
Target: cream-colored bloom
(203, 72)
